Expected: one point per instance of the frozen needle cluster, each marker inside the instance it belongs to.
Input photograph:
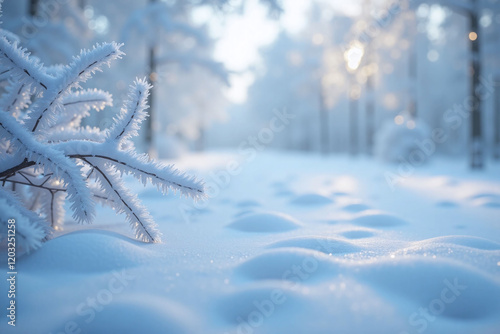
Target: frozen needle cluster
(47, 156)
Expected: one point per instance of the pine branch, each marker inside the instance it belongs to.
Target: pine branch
(8, 168)
(44, 156)
(66, 134)
(128, 162)
(22, 69)
(100, 196)
(9, 35)
(30, 180)
(132, 114)
(139, 218)
(82, 67)
(97, 194)
(30, 228)
(164, 177)
(15, 98)
(54, 161)
(53, 209)
(76, 106)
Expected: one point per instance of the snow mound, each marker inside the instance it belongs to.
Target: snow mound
(476, 252)
(358, 234)
(311, 199)
(262, 300)
(394, 142)
(490, 196)
(486, 200)
(87, 251)
(157, 316)
(287, 264)
(281, 307)
(320, 244)
(461, 240)
(446, 287)
(374, 218)
(265, 222)
(355, 207)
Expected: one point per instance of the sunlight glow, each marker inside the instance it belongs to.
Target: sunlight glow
(294, 19)
(354, 55)
(242, 36)
(237, 92)
(239, 39)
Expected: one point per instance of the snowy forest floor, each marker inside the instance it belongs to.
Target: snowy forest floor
(287, 243)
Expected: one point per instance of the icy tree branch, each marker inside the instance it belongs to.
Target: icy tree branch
(48, 157)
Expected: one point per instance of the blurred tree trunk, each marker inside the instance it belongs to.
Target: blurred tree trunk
(353, 118)
(33, 7)
(496, 111)
(323, 122)
(370, 114)
(412, 68)
(370, 103)
(200, 141)
(412, 107)
(477, 155)
(152, 78)
(149, 126)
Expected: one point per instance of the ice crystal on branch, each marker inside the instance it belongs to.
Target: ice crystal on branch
(47, 156)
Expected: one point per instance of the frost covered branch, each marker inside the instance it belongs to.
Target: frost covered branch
(47, 157)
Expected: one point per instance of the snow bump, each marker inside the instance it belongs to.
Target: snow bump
(358, 234)
(374, 218)
(311, 199)
(286, 263)
(270, 222)
(355, 207)
(88, 251)
(320, 244)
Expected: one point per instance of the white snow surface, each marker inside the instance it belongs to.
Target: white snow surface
(289, 243)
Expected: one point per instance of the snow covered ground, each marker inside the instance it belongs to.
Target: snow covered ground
(286, 243)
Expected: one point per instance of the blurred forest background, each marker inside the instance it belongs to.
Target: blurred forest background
(381, 78)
